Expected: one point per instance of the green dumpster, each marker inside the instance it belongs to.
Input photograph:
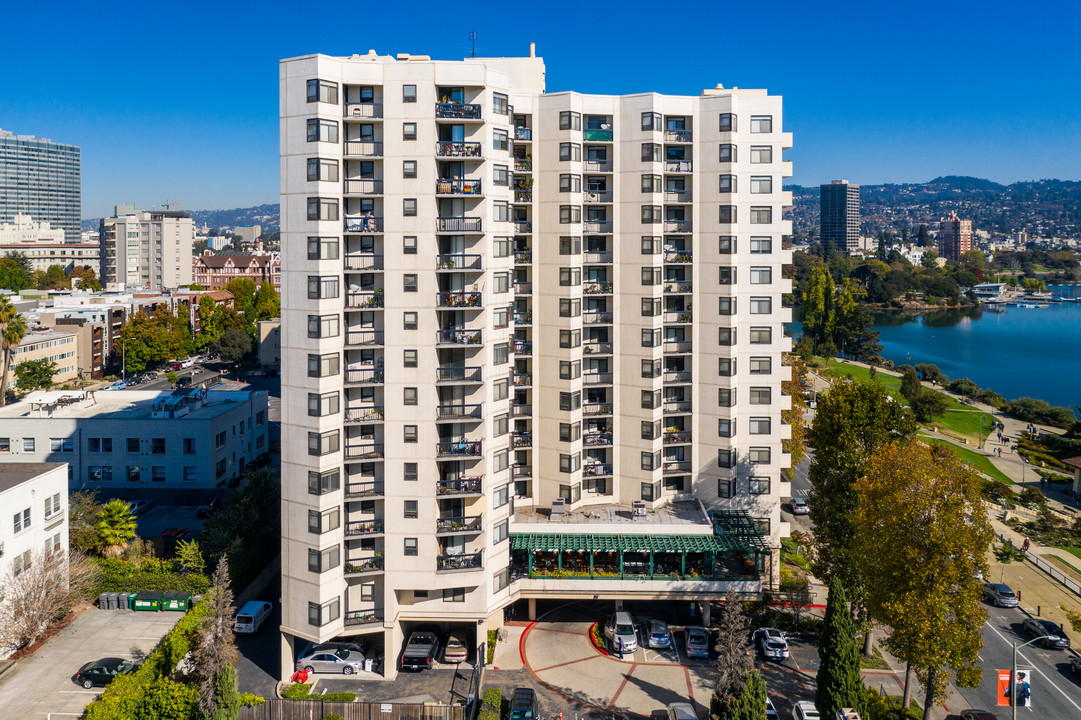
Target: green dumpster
(148, 601)
(176, 600)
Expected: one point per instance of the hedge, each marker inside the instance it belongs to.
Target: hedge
(118, 575)
(301, 691)
(492, 704)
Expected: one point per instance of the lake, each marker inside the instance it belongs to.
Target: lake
(1014, 351)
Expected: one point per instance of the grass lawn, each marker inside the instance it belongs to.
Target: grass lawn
(1066, 567)
(975, 459)
(873, 663)
(1076, 552)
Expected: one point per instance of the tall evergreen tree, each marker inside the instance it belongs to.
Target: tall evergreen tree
(839, 683)
(749, 704)
(910, 385)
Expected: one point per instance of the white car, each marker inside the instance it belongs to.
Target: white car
(771, 643)
(805, 710)
(800, 506)
(771, 712)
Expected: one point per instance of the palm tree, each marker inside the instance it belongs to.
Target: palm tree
(116, 526)
(12, 331)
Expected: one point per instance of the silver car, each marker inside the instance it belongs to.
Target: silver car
(697, 638)
(1000, 595)
(340, 660)
(656, 634)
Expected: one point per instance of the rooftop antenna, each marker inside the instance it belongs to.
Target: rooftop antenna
(473, 41)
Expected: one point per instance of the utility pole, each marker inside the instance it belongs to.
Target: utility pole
(1013, 674)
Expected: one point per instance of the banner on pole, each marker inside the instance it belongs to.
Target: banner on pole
(1003, 693)
(1023, 689)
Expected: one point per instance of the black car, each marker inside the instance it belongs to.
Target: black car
(209, 509)
(102, 672)
(1054, 637)
(523, 704)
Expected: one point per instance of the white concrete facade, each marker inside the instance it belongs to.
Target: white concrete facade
(495, 297)
(149, 249)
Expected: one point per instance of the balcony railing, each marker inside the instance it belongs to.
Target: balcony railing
(677, 346)
(678, 135)
(363, 224)
(597, 348)
(676, 466)
(597, 135)
(363, 186)
(364, 451)
(597, 469)
(458, 374)
(678, 196)
(368, 527)
(458, 412)
(523, 165)
(458, 262)
(523, 318)
(678, 316)
(597, 438)
(452, 525)
(458, 299)
(522, 440)
(448, 563)
(600, 378)
(360, 617)
(597, 288)
(458, 149)
(457, 111)
(597, 409)
(677, 407)
(461, 186)
(363, 338)
(523, 257)
(521, 471)
(597, 258)
(458, 337)
(523, 347)
(363, 110)
(462, 448)
(595, 226)
(367, 489)
(678, 257)
(523, 227)
(597, 165)
(597, 318)
(364, 565)
(459, 224)
(364, 261)
(677, 438)
(523, 133)
(523, 196)
(677, 166)
(364, 300)
(677, 376)
(678, 287)
(363, 148)
(523, 379)
(372, 376)
(521, 410)
(461, 486)
(523, 288)
(598, 196)
(677, 226)
(364, 414)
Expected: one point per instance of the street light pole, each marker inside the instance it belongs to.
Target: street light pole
(1013, 673)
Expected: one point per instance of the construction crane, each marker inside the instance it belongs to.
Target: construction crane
(169, 205)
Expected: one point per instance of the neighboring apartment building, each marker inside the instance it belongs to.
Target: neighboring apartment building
(43, 179)
(531, 340)
(146, 249)
(56, 345)
(182, 446)
(839, 216)
(214, 272)
(954, 237)
(44, 245)
(24, 229)
(269, 351)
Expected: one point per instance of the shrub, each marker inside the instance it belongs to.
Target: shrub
(338, 697)
(491, 704)
(248, 699)
(493, 637)
(333, 716)
(121, 575)
(297, 691)
(1030, 497)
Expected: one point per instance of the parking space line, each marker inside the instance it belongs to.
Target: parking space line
(621, 686)
(690, 690)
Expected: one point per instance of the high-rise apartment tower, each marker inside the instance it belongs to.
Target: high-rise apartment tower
(839, 217)
(531, 344)
(954, 237)
(42, 179)
(146, 249)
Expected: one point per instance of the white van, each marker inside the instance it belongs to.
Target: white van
(252, 616)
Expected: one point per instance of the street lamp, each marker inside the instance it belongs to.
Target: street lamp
(1013, 674)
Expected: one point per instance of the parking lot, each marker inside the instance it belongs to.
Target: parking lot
(43, 683)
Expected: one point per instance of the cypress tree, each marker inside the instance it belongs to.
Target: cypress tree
(839, 683)
(748, 704)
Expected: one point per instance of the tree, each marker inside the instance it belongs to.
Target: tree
(910, 384)
(16, 272)
(86, 279)
(839, 683)
(795, 387)
(226, 697)
(115, 526)
(750, 704)
(13, 329)
(853, 329)
(267, 305)
(214, 651)
(924, 237)
(247, 528)
(149, 339)
(233, 345)
(190, 556)
(83, 512)
(36, 593)
(929, 259)
(34, 374)
(922, 535)
(53, 277)
(928, 404)
(733, 662)
(817, 307)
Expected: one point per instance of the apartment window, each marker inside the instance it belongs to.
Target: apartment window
(94, 445)
(260, 417)
(651, 121)
(651, 245)
(456, 595)
(760, 395)
(500, 175)
(761, 276)
(367, 592)
(321, 169)
(157, 446)
(570, 400)
(726, 306)
(724, 427)
(726, 367)
(500, 317)
(328, 612)
(761, 526)
(570, 338)
(500, 140)
(651, 399)
(728, 184)
(761, 215)
(651, 460)
(728, 122)
(323, 91)
(727, 276)
(409, 396)
(499, 104)
(409, 358)
(409, 168)
(501, 389)
(22, 521)
(570, 369)
(322, 130)
(758, 485)
(189, 446)
(409, 320)
(761, 306)
(651, 368)
(322, 209)
(761, 365)
(651, 307)
(135, 473)
(761, 123)
(651, 276)
(759, 455)
(726, 336)
(759, 426)
(502, 212)
(219, 440)
(761, 336)
(651, 184)
(761, 185)
(728, 153)
(570, 432)
(409, 472)
(500, 354)
(727, 214)
(409, 282)
(651, 214)
(323, 560)
(409, 93)
(569, 276)
(726, 245)
(761, 154)
(321, 522)
(570, 183)
(570, 307)
(570, 214)
(570, 120)
(409, 434)
(651, 152)
(570, 245)
(321, 483)
(29, 445)
(157, 473)
(409, 207)
(651, 337)
(725, 398)
(570, 152)
(651, 491)
(724, 485)
(322, 248)
(651, 430)
(410, 509)
(502, 247)
(501, 425)
(410, 547)
(501, 497)
(500, 461)
(570, 463)
(409, 245)
(323, 443)
(323, 326)
(761, 245)
(322, 287)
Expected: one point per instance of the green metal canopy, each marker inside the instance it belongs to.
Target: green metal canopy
(631, 543)
(740, 528)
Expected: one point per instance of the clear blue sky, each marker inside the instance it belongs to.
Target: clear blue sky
(180, 100)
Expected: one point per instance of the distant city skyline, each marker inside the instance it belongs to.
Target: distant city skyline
(870, 94)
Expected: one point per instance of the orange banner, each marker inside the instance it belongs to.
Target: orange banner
(1004, 687)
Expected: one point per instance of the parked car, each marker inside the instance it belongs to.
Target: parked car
(340, 660)
(771, 712)
(420, 650)
(800, 506)
(619, 629)
(174, 366)
(1054, 637)
(187, 363)
(252, 616)
(209, 509)
(771, 643)
(656, 635)
(332, 646)
(523, 704)
(805, 710)
(1075, 664)
(455, 651)
(1000, 595)
(697, 639)
(681, 711)
(102, 672)
(176, 533)
(977, 715)
(138, 507)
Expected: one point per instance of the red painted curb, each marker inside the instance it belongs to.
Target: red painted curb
(593, 642)
(521, 643)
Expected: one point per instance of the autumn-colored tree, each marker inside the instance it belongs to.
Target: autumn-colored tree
(921, 537)
(150, 339)
(794, 388)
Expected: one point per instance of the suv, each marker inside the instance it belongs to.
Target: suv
(523, 704)
(1000, 595)
(620, 630)
(805, 710)
(800, 506)
(1053, 637)
(771, 643)
(420, 650)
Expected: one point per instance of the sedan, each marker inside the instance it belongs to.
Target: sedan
(456, 651)
(697, 642)
(978, 715)
(656, 634)
(1075, 665)
(1052, 634)
(177, 533)
(1000, 595)
(336, 661)
(771, 643)
(102, 672)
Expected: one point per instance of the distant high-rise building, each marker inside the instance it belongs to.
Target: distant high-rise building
(43, 179)
(150, 249)
(839, 220)
(954, 237)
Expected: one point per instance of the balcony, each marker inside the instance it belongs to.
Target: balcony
(363, 224)
(363, 186)
(523, 165)
(677, 407)
(457, 111)
(458, 375)
(683, 136)
(466, 525)
(523, 257)
(597, 288)
(454, 563)
(367, 489)
(363, 148)
(597, 135)
(678, 197)
(457, 413)
(597, 469)
(676, 466)
(521, 440)
(363, 338)
(678, 257)
(523, 196)
(678, 346)
(523, 347)
(677, 288)
(677, 226)
(598, 196)
(523, 227)
(464, 186)
(458, 149)
(363, 110)
(367, 414)
(464, 485)
(364, 300)
(597, 348)
(364, 376)
(597, 166)
(597, 258)
(363, 262)
(523, 379)
(677, 166)
(523, 318)
(677, 377)
(458, 337)
(595, 409)
(678, 317)
(597, 226)
(364, 451)
(364, 566)
(597, 318)
(360, 618)
(523, 134)
(521, 410)
(677, 438)
(597, 378)
(523, 288)
(521, 472)
(458, 262)
(458, 225)
(460, 449)
(369, 527)
(458, 300)
(597, 438)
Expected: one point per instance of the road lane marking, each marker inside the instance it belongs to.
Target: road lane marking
(1049, 682)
